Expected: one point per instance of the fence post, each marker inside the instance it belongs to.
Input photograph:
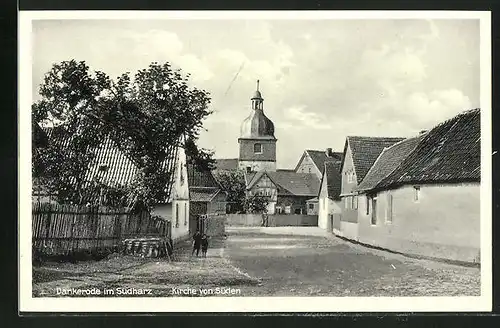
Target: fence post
(49, 219)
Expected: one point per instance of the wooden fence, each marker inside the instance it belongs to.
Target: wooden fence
(64, 229)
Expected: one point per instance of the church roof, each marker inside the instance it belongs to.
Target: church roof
(257, 126)
(257, 95)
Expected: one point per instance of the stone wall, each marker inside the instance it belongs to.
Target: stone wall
(255, 220)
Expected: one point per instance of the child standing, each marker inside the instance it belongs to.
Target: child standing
(204, 245)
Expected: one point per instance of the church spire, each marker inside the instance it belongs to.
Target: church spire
(257, 98)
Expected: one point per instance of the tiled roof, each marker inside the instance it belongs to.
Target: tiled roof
(113, 168)
(365, 151)
(449, 153)
(319, 157)
(199, 178)
(202, 194)
(249, 176)
(333, 179)
(387, 162)
(203, 186)
(226, 164)
(298, 184)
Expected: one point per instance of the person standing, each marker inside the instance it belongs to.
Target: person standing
(204, 245)
(265, 219)
(196, 243)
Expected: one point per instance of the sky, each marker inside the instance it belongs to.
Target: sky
(321, 80)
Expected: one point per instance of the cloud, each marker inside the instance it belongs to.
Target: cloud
(301, 118)
(321, 80)
(391, 67)
(439, 105)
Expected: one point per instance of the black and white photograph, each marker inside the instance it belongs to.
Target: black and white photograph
(250, 161)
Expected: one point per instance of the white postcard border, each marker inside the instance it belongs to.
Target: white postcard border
(248, 304)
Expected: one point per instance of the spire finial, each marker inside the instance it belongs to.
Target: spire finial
(258, 85)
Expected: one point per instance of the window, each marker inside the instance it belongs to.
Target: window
(249, 169)
(388, 218)
(185, 214)
(311, 206)
(257, 148)
(309, 170)
(350, 177)
(367, 205)
(177, 215)
(346, 201)
(288, 209)
(374, 211)
(417, 193)
(355, 202)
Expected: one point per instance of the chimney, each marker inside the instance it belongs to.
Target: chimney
(328, 152)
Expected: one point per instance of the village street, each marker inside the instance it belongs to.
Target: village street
(286, 261)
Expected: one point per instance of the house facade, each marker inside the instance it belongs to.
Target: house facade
(330, 206)
(312, 206)
(426, 200)
(205, 195)
(111, 167)
(175, 208)
(287, 191)
(359, 155)
(313, 161)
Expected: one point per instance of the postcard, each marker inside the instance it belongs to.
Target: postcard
(255, 161)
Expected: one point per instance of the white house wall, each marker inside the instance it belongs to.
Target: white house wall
(180, 206)
(443, 223)
(307, 165)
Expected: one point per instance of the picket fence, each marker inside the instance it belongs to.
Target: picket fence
(63, 229)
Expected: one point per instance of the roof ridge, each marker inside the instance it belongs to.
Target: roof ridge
(399, 164)
(456, 117)
(372, 137)
(383, 183)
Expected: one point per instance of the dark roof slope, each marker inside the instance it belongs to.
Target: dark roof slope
(203, 186)
(226, 164)
(319, 157)
(333, 179)
(450, 152)
(200, 178)
(298, 184)
(387, 162)
(365, 151)
(113, 167)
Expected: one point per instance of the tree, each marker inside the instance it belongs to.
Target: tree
(144, 116)
(256, 204)
(233, 183)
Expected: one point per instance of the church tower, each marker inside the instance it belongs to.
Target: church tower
(257, 141)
